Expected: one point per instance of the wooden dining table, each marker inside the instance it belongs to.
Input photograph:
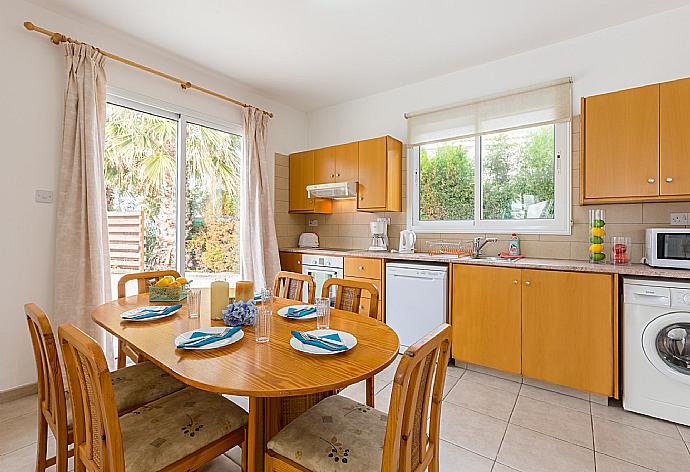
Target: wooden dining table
(280, 381)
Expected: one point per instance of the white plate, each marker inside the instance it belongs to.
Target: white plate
(146, 308)
(284, 312)
(346, 338)
(215, 345)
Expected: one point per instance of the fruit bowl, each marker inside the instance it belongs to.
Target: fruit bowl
(169, 289)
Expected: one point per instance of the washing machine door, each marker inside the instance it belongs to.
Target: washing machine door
(666, 343)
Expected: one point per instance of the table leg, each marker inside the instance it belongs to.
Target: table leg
(256, 442)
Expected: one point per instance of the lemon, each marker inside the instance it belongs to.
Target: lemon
(182, 280)
(164, 282)
(598, 232)
(596, 248)
(175, 284)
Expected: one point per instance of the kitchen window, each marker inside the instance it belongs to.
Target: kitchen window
(499, 165)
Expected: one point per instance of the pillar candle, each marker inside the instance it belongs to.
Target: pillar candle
(220, 297)
(244, 290)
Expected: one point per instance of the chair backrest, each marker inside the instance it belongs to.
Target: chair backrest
(51, 387)
(290, 285)
(97, 434)
(143, 280)
(417, 388)
(348, 294)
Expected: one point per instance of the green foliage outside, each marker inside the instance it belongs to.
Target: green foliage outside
(517, 175)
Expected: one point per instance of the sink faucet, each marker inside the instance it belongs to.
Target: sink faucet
(477, 245)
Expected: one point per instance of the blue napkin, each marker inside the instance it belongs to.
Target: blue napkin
(295, 313)
(318, 344)
(153, 313)
(203, 342)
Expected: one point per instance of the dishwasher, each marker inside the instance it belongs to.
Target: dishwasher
(416, 299)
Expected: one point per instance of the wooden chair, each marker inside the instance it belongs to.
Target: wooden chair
(290, 285)
(363, 438)
(347, 298)
(143, 279)
(134, 386)
(179, 432)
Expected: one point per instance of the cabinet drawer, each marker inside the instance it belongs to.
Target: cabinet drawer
(376, 283)
(363, 267)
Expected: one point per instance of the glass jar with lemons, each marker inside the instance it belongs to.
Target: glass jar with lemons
(597, 233)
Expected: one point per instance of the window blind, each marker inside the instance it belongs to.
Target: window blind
(547, 103)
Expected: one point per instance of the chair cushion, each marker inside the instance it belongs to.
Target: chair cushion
(140, 384)
(334, 432)
(164, 431)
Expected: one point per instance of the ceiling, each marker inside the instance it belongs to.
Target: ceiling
(315, 53)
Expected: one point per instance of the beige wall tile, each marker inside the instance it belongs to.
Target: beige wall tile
(364, 243)
(290, 219)
(324, 231)
(282, 171)
(355, 231)
(546, 249)
(575, 160)
(336, 242)
(340, 219)
(282, 195)
(660, 213)
(282, 183)
(282, 207)
(282, 160)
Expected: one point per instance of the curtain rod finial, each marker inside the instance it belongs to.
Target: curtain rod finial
(29, 25)
(186, 85)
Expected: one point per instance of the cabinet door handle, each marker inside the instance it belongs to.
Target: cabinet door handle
(361, 267)
(361, 198)
(669, 179)
(528, 283)
(515, 282)
(651, 181)
(332, 175)
(337, 175)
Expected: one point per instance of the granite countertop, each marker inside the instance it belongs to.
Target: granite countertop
(640, 270)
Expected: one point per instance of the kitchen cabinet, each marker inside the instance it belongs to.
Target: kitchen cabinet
(301, 175)
(366, 270)
(380, 175)
(291, 261)
(555, 326)
(324, 165)
(635, 145)
(336, 164)
(485, 315)
(566, 339)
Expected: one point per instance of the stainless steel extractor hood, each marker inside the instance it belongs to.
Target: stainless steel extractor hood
(334, 190)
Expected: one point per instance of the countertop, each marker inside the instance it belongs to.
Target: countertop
(639, 270)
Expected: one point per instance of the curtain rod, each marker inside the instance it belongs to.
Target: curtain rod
(57, 38)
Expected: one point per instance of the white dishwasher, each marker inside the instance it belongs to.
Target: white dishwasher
(416, 299)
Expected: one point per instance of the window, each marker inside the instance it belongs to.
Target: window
(512, 179)
(172, 190)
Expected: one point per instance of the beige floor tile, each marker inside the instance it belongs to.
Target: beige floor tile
(383, 398)
(478, 433)
(24, 459)
(684, 432)
(498, 467)
(243, 402)
(557, 421)
(235, 454)
(357, 392)
(15, 433)
(18, 407)
(483, 399)
(640, 446)
(453, 457)
(455, 371)
(557, 388)
(599, 399)
(619, 415)
(492, 381)
(529, 451)
(449, 384)
(221, 464)
(611, 464)
(388, 373)
(554, 398)
(494, 372)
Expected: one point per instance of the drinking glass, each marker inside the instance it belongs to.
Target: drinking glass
(266, 296)
(323, 313)
(262, 323)
(194, 302)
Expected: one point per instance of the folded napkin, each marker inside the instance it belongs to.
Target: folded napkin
(328, 347)
(151, 312)
(298, 313)
(211, 339)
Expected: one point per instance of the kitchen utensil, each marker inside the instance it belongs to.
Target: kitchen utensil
(407, 241)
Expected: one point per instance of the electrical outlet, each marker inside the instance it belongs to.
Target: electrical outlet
(44, 196)
(313, 223)
(679, 219)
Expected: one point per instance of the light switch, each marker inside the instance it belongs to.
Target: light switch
(44, 196)
(313, 223)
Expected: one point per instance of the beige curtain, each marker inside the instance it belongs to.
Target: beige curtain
(82, 261)
(259, 247)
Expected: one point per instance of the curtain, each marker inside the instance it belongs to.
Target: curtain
(258, 243)
(82, 261)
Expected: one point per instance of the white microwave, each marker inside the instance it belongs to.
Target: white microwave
(668, 247)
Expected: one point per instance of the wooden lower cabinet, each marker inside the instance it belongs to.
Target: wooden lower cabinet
(568, 329)
(291, 261)
(486, 316)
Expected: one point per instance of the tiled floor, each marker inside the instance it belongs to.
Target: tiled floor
(490, 422)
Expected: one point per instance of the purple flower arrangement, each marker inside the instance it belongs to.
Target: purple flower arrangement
(240, 313)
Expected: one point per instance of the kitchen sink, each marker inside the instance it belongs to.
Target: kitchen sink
(490, 259)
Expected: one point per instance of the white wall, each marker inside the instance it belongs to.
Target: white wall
(649, 50)
(30, 135)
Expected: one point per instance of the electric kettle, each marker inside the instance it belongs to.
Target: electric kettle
(407, 240)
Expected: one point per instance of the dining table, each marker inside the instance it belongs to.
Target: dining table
(280, 381)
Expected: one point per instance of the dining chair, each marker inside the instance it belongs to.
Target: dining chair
(290, 285)
(178, 432)
(133, 386)
(143, 280)
(347, 298)
(339, 431)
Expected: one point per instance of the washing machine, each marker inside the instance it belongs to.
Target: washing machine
(656, 348)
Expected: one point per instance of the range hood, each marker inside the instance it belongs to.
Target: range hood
(333, 190)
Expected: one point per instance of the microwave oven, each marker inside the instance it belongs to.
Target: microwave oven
(668, 247)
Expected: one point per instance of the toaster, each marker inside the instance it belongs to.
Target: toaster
(308, 240)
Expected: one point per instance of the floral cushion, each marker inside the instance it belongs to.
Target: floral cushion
(141, 383)
(164, 431)
(337, 434)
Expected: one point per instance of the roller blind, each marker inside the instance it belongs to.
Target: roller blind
(547, 103)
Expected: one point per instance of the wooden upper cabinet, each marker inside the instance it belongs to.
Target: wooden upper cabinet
(380, 175)
(620, 152)
(674, 147)
(301, 175)
(324, 165)
(346, 162)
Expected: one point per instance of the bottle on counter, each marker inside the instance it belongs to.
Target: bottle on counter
(514, 245)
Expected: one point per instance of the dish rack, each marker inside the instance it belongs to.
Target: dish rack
(437, 247)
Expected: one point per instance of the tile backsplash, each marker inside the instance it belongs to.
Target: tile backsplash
(347, 228)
